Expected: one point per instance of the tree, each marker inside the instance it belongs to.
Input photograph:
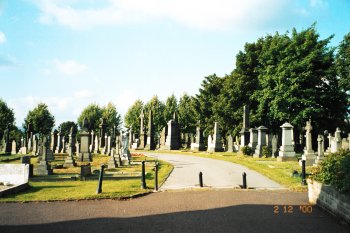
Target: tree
(187, 114)
(41, 119)
(208, 95)
(112, 117)
(170, 107)
(93, 114)
(65, 128)
(343, 63)
(7, 117)
(16, 134)
(157, 108)
(132, 116)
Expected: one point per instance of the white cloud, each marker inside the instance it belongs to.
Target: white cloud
(70, 67)
(318, 3)
(2, 38)
(83, 94)
(201, 14)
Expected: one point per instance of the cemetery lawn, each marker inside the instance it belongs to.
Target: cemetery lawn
(79, 190)
(279, 172)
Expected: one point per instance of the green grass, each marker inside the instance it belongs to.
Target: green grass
(10, 158)
(77, 190)
(276, 171)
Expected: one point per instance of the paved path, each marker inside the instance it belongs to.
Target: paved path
(216, 173)
(173, 211)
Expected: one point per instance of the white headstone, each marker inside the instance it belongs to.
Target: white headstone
(286, 151)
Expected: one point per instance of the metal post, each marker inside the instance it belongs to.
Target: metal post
(143, 176)
(244, 175)
(303, 173)
(156, 176)
(100, 179)
(201, 179)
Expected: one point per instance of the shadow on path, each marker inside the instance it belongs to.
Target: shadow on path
(237, 218)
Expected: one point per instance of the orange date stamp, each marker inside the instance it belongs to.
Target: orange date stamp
(289, 209)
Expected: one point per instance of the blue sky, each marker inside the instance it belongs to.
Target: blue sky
(69, 53)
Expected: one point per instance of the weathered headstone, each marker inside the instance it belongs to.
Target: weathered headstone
(92, 145)
(173, 138)
(253, 138)
(84, 154)
(44, 168)
(286, 152)
(163, 136)
(35, 145)
(112, 163)
(14, 174)
(309, 154)
(261, 141)
(54, 139)
(14, 149)
(216, 144)
(320, 149)
(125, 153)
(274, 145)
(59, 146)
(69, 161)
(245, 129)
(230, 143)
(97, 146)
(336, 141)
(102, 133)
(199, 144)
(6, 144)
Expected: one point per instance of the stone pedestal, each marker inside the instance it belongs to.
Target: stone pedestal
(112, 163)
(253, 138)
(69, 162)
(173, 138)
(320, 149)
(43, 169)
(215, 145)
(84, 153)
(261, 141)
(286, 152)
(199, 144)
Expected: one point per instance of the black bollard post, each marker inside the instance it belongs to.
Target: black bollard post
(244, 175)
(303, 173)
(100, 179)
(143, 176)
(201, 179)
(156, 176)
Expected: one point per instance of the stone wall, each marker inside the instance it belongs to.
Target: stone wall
(329, 199)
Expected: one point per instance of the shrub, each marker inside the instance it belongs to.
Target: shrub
(335, 170)
(246, 150)
(266, 151)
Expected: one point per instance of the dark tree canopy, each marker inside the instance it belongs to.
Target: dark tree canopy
(187, 114)
(40, 119)
(93, 114)
(65, 128)
(7, 117)
(157, 108)
(132, 116)
(170, 107)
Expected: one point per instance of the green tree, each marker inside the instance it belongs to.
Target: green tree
(208, 95)
(16, 134)
(93, 114)
(170, 107)
(343, 63)
(157, 108)
(41, 119)
(65, 128)
(132, 116)
(112, 117)
(187, 114)
(7, 117)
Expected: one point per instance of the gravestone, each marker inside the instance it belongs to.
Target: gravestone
(97, 146)
(102, 133)
(163, 136)
(274, 145)
(286, 152)
(173, 137)
(320, 149)
(230, 143)
(245, 129)
(125, 153)
(309, 154)
(344, 144)
(69, 161)
(25, 159)
(253, 138)
(6, 144)
(336, 141)
(13, 150)
(143, 136)
(59, 143)
(349, 141)
(84, 153)
(150, 145)
(199, 144)
(92, 145)
(54, 138)
(112, 163)
(261, 141)
(44, 168)
(216, 144)
(35, 146)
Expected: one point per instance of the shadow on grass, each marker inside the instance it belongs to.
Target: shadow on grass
(241, 218)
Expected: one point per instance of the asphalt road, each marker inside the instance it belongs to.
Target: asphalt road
(174, 211)
(216, 173)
